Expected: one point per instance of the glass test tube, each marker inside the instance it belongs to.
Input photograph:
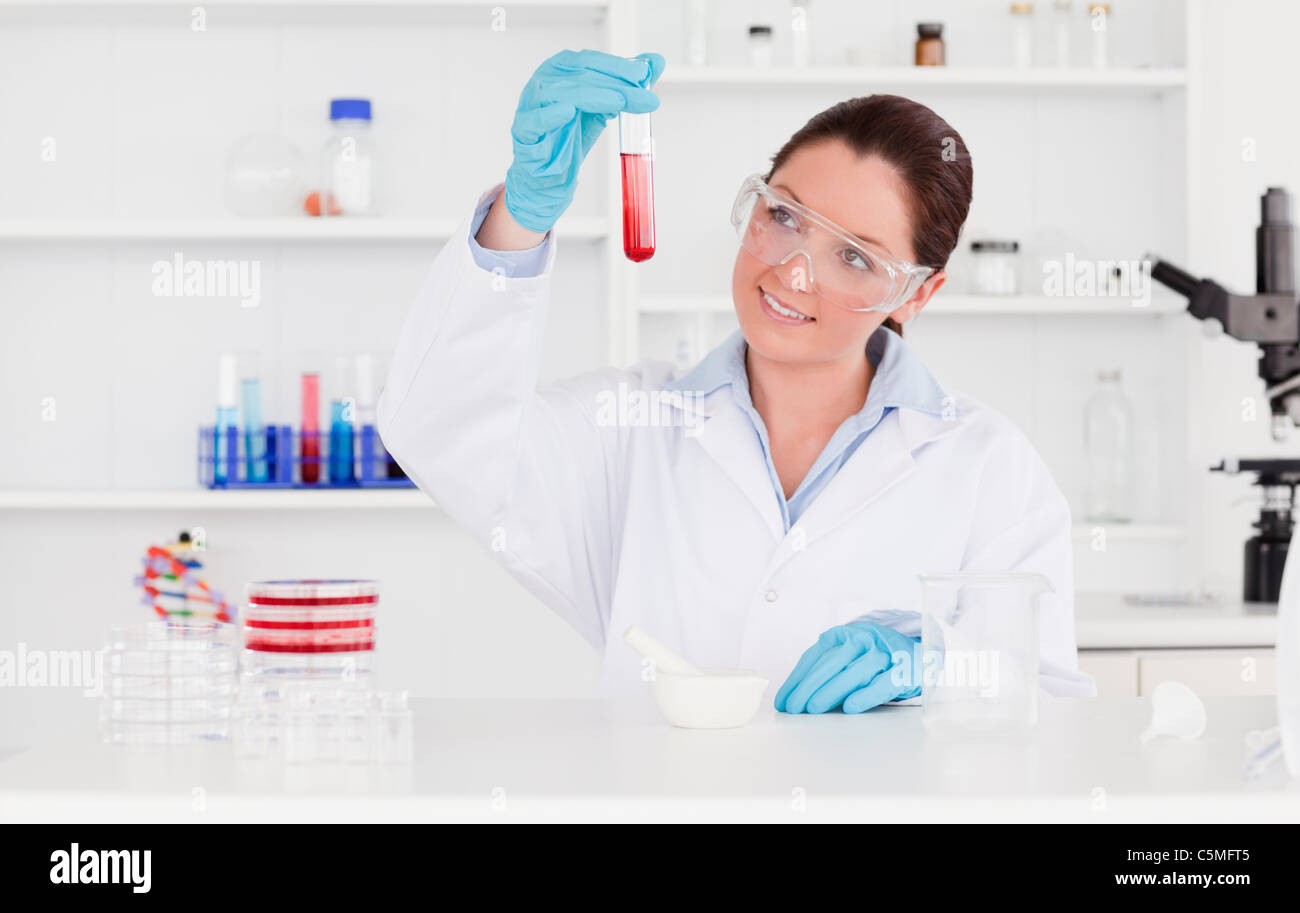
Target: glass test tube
(341, 441)
(636, 155)
(254, 431)
(227, 416)
(309, 432)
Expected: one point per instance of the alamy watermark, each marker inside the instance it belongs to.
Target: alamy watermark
(976, 670)
(77, 866)
(1071, 278)
(628, 407)
(27, 668)
(179, 277)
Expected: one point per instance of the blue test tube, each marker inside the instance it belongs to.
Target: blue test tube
(254, 432)
(341, 436)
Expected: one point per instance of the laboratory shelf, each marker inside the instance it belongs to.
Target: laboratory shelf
(864, 78)
(949, 305)
(1132, 532)
(1045, 305)
(331, 12)
(305, 230)
(202, 499)
(684, 304)
(309, 4)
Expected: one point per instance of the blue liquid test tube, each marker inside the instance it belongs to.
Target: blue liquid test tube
(341, 435)
(254, 432)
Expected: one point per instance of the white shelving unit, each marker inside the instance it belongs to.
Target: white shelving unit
(613, 19)
(954, 305)
(305, 230)
(1132, 532)
(39, 5)
(973, 79)
(202, 499)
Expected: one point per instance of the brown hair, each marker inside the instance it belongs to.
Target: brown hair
(930, 157)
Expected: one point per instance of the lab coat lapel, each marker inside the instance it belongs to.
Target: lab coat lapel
(728, 437)
(883, 459)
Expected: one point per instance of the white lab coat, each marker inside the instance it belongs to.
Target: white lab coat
(676, 527)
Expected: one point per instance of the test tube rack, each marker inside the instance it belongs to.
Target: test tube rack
(284, 460)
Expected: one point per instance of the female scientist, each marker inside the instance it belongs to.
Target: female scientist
(808, 469)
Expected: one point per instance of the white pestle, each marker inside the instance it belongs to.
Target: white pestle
(664, 659)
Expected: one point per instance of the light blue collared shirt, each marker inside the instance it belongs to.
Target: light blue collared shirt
(513, 264)
(901, 381)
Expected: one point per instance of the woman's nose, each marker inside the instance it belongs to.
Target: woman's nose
(795, 271)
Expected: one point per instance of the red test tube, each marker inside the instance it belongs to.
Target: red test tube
(309, 432)
(636, 155)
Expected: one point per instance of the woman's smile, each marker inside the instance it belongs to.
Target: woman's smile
(781, 312)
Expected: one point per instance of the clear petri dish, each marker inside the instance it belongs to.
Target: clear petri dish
(169, 637)
(131, 732)
(144, 662)
(344, 666)
(171, 687)
(144, 710)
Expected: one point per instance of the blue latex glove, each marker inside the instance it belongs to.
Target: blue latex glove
(561, 112)
(852, 665)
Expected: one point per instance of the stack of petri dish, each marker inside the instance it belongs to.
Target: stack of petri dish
(169, 683)
(305, 678)
(309, 629)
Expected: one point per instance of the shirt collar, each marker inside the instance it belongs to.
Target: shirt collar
(901, 379)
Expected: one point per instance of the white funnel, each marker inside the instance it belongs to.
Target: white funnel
(1176, 710)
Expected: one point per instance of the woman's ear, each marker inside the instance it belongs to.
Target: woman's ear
(905, 312)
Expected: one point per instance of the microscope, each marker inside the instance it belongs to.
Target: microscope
(1271, 319)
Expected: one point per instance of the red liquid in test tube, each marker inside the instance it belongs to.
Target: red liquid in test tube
(636, 156)
(309, 432)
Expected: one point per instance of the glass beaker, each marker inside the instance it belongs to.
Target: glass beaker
(979, 649)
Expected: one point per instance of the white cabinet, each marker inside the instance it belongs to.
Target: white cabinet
(1210, 673)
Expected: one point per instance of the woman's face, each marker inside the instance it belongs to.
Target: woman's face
(862, 195)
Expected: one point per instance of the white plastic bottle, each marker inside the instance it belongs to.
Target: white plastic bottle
(349, 178)
(1108, 436)
(1288, 659)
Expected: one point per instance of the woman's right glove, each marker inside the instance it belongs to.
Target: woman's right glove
(855, 666)
(561, 112)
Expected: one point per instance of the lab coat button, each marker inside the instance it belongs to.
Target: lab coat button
(770, 595)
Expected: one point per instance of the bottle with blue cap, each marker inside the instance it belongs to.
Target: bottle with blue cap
(349, 172)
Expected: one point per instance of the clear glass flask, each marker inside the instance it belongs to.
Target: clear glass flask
(636, 156)
(1108, 440)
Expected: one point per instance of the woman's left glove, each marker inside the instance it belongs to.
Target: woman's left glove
(561, 112)
(859, 665)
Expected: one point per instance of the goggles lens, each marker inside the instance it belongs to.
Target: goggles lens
(778, 231)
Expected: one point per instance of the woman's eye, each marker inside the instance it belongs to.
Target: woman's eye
(855, 259)
(781, 216)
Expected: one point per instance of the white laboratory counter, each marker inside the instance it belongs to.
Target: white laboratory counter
(536, 760)
(1106, 622)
